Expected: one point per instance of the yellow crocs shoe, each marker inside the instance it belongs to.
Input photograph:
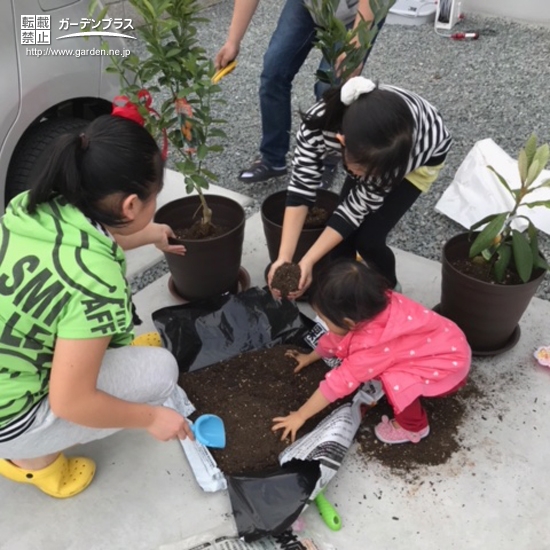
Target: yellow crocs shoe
(148, 339)
(63, 478)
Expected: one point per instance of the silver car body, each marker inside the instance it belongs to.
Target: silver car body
(33, 88)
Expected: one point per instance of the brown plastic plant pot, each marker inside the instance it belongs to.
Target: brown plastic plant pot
(273, 209)
(242, 284)
(210, 266)
(487, 313)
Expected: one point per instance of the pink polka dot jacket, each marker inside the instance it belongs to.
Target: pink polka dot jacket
(412, 350)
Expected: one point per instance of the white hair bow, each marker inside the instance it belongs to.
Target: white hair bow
(354, 87)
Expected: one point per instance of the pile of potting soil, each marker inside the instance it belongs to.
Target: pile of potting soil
(445, 414)
(247, 392)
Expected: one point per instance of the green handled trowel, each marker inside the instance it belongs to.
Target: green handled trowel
(328, 513)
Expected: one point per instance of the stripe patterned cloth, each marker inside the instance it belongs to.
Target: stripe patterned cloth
(431, 142)
(20, 424)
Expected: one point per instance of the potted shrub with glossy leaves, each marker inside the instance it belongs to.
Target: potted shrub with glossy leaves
(490, 275)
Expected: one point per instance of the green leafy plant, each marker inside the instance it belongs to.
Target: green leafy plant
(335, 40)
(502, 246)
(176, 63)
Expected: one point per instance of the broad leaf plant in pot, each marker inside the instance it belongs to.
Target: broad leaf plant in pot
(345, 50)
(172, 87)
(490, 275)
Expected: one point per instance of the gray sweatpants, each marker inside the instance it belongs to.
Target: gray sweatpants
(137, 374)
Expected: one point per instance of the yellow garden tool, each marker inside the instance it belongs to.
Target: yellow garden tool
(224, 72)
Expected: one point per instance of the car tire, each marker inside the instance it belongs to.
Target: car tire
(31, 147)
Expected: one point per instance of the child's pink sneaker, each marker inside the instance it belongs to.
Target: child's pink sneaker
(387, 432)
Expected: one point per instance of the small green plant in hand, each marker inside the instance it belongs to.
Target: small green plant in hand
(344, 49)
(498, 244)
(174, 62)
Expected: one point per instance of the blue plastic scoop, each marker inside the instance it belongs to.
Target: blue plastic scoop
(209, 431)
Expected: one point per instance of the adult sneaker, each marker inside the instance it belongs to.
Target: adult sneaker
(260, 171)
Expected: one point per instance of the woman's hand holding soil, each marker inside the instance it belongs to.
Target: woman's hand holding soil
(276, 293)
(288, 280)
(168, 424)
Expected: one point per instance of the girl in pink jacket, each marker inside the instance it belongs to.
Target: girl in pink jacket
(380, 334)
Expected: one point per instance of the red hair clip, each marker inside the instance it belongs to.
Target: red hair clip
(123, 107)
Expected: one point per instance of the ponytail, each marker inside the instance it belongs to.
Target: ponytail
(331, 120)
(60, 174)
(113, 156)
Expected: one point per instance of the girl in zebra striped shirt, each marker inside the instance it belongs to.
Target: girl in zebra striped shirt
(393, 145)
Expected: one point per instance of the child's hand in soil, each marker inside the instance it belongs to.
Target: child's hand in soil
(168, 424)
(289, 424)
(303, 359)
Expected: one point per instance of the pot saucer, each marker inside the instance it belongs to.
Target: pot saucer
(243, 283)
(510, 343)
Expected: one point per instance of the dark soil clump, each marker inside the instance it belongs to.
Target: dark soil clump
(286, 279)
(482, 272)
(316, 217)
(199, 231)
(445, 415)
(247, 392)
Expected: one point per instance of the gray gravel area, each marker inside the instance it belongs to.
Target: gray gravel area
(495, 87)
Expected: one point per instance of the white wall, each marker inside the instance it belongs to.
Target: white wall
(535, 11)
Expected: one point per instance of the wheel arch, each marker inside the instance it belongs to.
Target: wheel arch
(85, 108)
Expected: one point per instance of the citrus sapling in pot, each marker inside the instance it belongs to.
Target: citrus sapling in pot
(172, 87)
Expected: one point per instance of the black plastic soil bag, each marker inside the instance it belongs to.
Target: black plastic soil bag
(270, 504)
(209, 331)
(206, 332)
